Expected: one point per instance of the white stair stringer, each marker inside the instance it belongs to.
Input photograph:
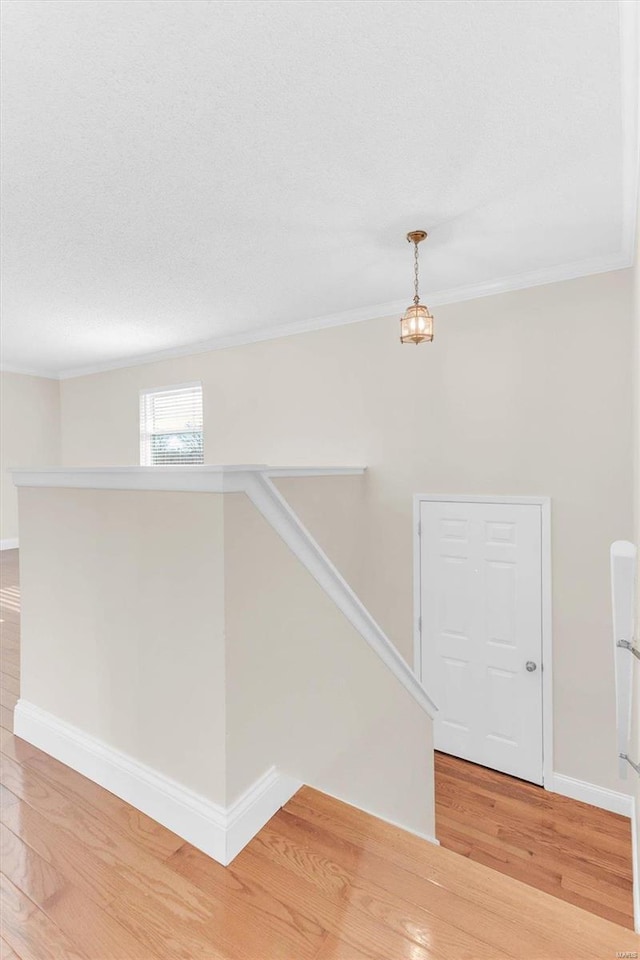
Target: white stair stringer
(277, 512)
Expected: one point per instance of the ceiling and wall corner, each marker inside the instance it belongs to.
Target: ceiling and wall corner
(160, 202)
(30, 428)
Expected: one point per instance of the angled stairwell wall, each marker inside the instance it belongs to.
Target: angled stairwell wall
(189, 646)
(305, 689)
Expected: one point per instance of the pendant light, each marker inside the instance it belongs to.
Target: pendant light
(416, 325)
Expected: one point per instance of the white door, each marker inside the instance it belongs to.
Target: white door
(481, 629)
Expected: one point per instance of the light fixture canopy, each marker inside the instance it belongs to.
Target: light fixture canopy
(416, 324)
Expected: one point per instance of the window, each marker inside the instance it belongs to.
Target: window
(171, 425)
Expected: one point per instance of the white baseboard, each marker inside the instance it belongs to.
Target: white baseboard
(220, 832)
(10, 544)
(590, 793)
(378, 816)
(249, 813)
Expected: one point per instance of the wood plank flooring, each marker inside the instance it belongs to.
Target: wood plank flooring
(569, 849)
(87, 877)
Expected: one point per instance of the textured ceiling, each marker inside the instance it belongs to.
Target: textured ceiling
(180, 172)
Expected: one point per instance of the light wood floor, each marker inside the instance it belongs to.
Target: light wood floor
(572, 850)
(84, 875)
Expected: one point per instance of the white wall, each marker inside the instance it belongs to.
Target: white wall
(305, 691)
(335, 510)
(123, 623)
(29, 436)
(524, 393)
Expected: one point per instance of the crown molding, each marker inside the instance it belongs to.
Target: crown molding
(28, 372)
(475, 291)
(239, 339)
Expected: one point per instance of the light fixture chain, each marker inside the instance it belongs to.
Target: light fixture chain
(416, 324)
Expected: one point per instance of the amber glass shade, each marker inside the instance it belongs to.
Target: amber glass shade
(416, 326)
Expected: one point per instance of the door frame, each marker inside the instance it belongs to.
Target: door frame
(546, 612)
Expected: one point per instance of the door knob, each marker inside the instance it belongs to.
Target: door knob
(531, 666)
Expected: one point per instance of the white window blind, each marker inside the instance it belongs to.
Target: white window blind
(171, 425)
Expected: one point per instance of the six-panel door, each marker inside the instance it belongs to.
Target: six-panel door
(481, 609)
